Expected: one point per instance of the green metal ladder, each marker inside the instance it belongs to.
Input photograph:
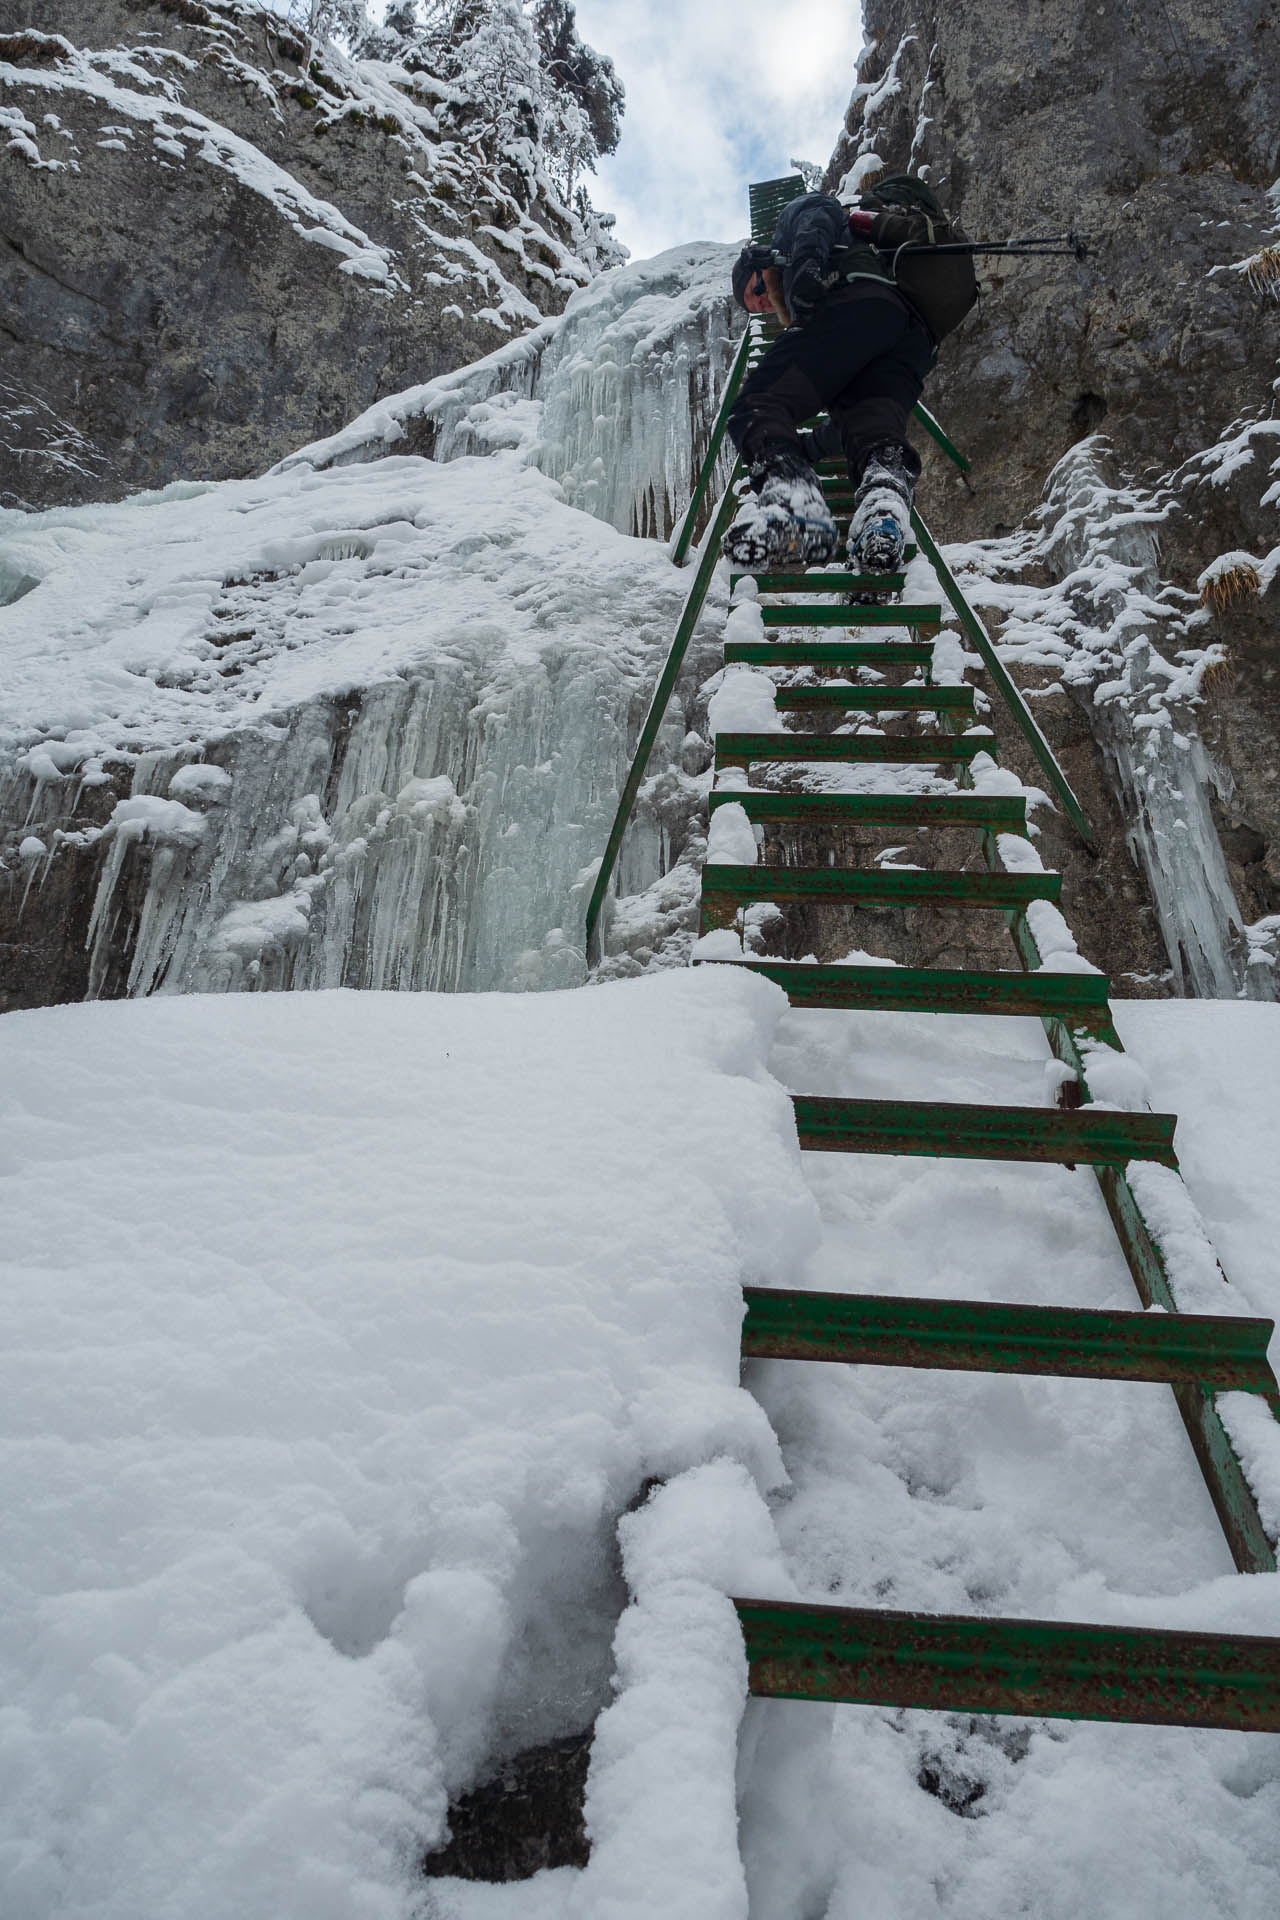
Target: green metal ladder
(870, 1655)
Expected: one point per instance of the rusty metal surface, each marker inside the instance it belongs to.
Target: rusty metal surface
(801, 582)
(879, 886)
(1065, 1669)
(876, 699)
(828, 653)
(895, 616)
(900, 750)
(1078, 999)
(1002, 813)
(980, 1336)
(944, 1131)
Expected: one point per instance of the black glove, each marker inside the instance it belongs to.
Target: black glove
(807, 290)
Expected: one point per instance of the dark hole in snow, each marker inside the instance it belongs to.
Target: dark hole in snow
(527, 1817)
(957, 1792)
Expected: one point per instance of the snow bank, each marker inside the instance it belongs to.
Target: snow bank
(343, 1328)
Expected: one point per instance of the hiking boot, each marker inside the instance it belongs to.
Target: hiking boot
(785, 522)
(881, 518)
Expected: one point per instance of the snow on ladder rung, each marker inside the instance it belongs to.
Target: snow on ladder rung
(1079, 1000)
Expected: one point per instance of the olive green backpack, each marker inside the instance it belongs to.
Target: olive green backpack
(909, 223)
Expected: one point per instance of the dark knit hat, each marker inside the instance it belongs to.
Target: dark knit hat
(744, 268)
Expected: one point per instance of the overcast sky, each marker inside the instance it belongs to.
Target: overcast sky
(719, 93)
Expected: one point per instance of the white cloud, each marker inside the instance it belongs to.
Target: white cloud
(720, 93)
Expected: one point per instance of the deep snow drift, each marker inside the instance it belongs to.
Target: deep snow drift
(343, 1329)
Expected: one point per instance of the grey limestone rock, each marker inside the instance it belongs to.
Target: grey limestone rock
(1154, 131)
(217, 242)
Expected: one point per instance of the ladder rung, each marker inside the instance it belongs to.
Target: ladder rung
(1078, 999)
(979, 1336)
(1091, 1135)
(997, 813)
(1062, 1669)
(824, 582)
(895, 749)
(876, 699)
(828, 653)
(894, 616)
(879, 886)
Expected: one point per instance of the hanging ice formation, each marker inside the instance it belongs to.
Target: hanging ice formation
(1103, 543)
(367, 727)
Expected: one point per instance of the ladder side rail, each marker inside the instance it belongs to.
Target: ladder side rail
(1008, 690)
(657, 709)
(737, 373)
(1252, 1548)
(931, 427)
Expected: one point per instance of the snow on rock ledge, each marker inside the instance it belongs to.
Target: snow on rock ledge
(624, 386)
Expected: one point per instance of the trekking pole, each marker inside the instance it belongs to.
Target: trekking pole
(1055, 244)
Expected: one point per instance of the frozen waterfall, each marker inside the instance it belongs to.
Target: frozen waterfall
(363, 721)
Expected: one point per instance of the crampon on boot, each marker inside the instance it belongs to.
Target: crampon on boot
(882, 511)
(785, 522)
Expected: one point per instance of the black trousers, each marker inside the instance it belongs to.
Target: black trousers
(862, 358)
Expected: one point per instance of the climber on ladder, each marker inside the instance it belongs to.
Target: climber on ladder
(855, 345)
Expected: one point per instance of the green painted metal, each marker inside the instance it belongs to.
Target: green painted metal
(1064, 1669)
(737, 374)
(824, 582)
(828, 653)
(658, 706)
(879, 886)
(1009, 692)
(980, 810)
(940, 1130)
(981, 1336)
(1077, 998)
(931, 427)
(876, 699)
(736, 749)
(767, 198)
(1252, 1547)
(893, 616)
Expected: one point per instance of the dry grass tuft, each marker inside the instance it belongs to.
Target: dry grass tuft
(1263, 271)
(1232, 584)
(1218, 679)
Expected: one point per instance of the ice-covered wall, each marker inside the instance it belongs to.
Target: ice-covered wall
(624, 387)
(1141, 656)
(1104, 546)
(364, 721)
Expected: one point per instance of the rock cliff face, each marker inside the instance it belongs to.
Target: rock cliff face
(217, 242)
(1119, 414)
